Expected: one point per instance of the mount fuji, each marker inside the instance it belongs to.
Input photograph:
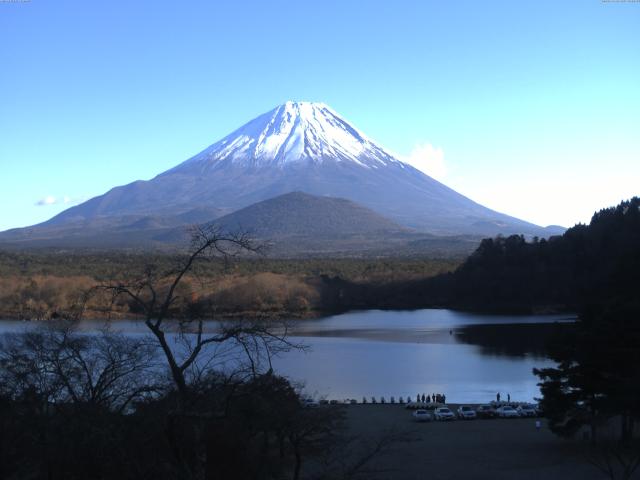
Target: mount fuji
(296, 147)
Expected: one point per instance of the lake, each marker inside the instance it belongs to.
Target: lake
(468, 357)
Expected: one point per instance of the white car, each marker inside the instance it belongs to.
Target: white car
(422, 416)
(466, 413)
(443, 413)
(310, 403)
(507, 411)
(527, 411)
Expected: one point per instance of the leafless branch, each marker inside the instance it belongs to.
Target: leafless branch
(155, 294)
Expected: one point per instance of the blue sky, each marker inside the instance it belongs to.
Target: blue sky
(531, 108)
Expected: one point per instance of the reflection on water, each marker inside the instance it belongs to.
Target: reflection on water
(383, 353)
(513, 340)
(468, 357)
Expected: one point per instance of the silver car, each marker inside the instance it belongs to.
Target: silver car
(422, 416)
(507, 411)
(466, 413)
(443, 413)
(310, 403)
(527, 411)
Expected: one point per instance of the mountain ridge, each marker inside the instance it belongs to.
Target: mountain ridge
(293, 225)
(298, 146)
(298, 213)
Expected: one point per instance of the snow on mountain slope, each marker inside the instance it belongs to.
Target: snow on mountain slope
(298, 146)
(290, 133)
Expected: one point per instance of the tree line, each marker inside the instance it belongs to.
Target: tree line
(184, 402)
(44, 285)
(594, 271)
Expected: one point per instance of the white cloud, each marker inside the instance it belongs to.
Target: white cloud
(428, 159)
(48, 200)
(51, 200)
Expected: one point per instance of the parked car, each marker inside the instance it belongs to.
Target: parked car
(466, 413)
(443, 413)
(527, 411)
(310, 403)
(507, 411)
(486, 411)
(422, 416)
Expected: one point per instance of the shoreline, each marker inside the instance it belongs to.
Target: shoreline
(285, 314)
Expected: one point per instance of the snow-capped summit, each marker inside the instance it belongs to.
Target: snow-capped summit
(296, 147)
(291, 133)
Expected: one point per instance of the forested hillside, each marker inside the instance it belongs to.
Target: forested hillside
(585, 265)
(39, 285)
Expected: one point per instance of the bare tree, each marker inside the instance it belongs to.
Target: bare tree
(157, 296)
(615, 459)
(59, 365)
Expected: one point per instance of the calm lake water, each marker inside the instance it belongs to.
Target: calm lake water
(468, 357)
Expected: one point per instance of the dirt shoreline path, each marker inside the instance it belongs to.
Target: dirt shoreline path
(495, 449)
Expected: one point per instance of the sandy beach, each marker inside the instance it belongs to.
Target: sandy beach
(494, 449)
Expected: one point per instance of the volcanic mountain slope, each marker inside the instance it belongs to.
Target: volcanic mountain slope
(291, 225)
(301, 214)
(298, 146)
(299, 224)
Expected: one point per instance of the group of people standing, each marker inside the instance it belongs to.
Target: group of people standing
(434, 398)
